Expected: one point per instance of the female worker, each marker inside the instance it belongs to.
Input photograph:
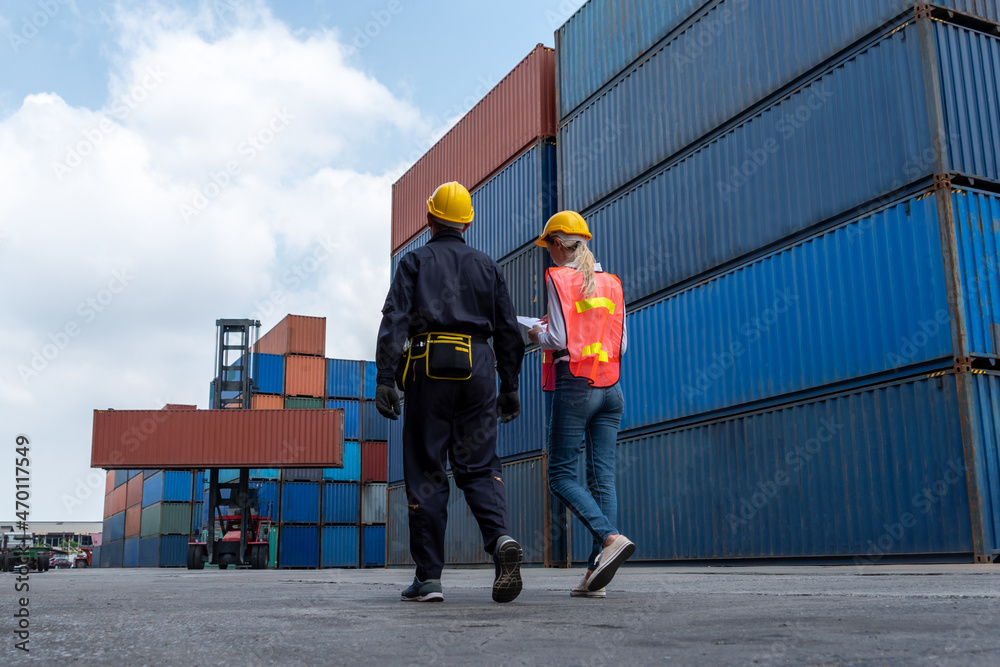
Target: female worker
(583, 346)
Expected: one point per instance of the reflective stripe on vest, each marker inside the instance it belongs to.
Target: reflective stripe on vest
(594, 327)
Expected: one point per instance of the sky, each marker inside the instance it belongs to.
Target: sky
(163, 165)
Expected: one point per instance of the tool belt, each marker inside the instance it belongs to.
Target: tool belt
(441, 356)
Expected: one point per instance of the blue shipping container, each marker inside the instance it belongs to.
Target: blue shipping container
(113, 553)
(395, 446)
(121, 476)
(524, 273)
(117, 526)
(163, 551)
(371, 379)
(351, 472)
(983, 390)
(298, 546)
(373, 546)
(343, 378)
(397, 528)
(419, 240)
(373, 425)
(300, 502)
(340, 546)
(528, 433)
(106, 530)
(340, 502)
(662, 103)
(352, 417)
(134, 473)
(130, 552)
(169, 486)
(229, 474)
(269, 373)
(269, 499)
(265, 473)
(728, 197)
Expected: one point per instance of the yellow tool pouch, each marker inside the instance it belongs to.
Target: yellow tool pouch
(441, 356)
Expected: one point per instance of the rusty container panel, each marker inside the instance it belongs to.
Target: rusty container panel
(515, 113)
(133, 521)
(267, 402)
(217, 439)
(305, 376)
(109, 483)
(117, 501)
(133, 492)
(374, 461)
(296, 334)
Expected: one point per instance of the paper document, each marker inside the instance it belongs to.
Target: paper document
(530, 322)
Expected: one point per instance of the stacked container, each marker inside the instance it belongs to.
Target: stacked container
(513, 188)
(808, 251)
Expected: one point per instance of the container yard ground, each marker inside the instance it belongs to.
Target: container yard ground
(917, 614)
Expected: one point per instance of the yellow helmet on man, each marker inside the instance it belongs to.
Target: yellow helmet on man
(565, 222)
(451, 202)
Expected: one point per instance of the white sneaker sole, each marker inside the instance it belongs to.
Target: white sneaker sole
(587, 594)
(606, 569)
(429, 597)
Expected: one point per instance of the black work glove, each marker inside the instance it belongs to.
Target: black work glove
(387, 402)
(508, 407)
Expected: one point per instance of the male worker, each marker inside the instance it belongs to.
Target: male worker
(445, 302)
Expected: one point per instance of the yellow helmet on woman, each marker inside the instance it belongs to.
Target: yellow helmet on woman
(567, 222)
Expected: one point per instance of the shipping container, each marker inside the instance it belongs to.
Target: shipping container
(169, 485)
(229, 474)
(824, 310)
(305, 376)
(95, 557)
(163, 551)
(373, 503)
(373, 546)
(513, 206)
(265, 473)
(343, 378)
(394, 453)
(117, 526)
(133, 520)
(515, 113)
(112, 553)
(352, 417)
(841, 475)
(269, 499)
(661, 104)
(718, 202)
(130, 552)
(299, 546)
(524, 273)
(132, 474)
(351, 472)
(418, 241)
(529, 432)
(219, 438)
(303, 404)
(603, 38)
(371, 379)
(373, 425)
(170, 519)
(117, 501)
(397, 528)
(374, 460)
(267, 402)
(302, 474)
(340, 546)
(269, 373)
(109, 482)
(296, 334)
(300, 502)
(121, 477)
(106, 530)
(981, 393)
(340, 502)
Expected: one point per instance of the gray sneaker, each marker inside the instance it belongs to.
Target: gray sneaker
(422, 591)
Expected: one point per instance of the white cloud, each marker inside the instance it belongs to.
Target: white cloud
(112, 293)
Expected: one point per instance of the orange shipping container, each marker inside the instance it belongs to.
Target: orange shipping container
(516, 112)
(296, 334)
(133, 493)
(268, 402)
(133, 521)
(107, 503)
(305, 376)
(216, 439)
(109, 484)
(117, 498)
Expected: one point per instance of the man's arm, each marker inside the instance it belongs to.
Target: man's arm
(507, 342)
(394, 330)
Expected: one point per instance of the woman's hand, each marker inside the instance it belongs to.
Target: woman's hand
(533, 333)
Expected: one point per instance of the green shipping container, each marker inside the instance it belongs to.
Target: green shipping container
(307, 403)
(166, 519)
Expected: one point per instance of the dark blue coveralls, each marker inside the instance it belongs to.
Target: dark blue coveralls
(446, 286)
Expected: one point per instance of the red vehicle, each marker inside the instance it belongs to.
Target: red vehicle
(227, 549)
(84, 559)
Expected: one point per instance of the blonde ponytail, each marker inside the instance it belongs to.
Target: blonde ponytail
(583, 260)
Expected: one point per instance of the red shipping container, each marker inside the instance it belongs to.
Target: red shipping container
(216, 439)
(116, 501)
(107, 503)
(305, 376)
(267, 402)
(133, 491)
(296, 334)
(109, 483)
(133, 521)
(374, 461)
(519, 110)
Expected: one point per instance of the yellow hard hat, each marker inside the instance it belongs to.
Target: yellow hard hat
(567, 222)
(451, 202)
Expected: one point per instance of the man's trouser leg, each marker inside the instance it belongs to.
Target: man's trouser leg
(473, 452)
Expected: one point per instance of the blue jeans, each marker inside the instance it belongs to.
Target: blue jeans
(582, 412)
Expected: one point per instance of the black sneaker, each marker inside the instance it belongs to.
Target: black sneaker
(422, 591)
(507, 557)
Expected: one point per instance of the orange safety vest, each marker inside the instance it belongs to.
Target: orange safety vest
(594, 327)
